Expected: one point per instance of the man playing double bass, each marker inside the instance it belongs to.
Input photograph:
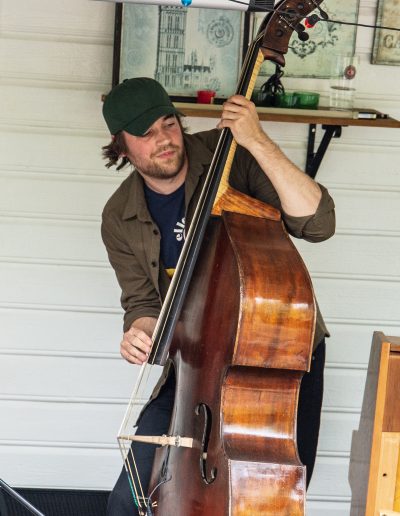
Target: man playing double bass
(144, 224)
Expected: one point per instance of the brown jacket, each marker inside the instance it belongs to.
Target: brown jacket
(132, 238)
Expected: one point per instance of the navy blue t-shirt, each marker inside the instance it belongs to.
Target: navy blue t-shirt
(168, 212)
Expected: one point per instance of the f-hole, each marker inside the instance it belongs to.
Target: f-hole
(204, 409)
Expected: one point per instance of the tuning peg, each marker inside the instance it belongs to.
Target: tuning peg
(311, 21)
(301, 32)
(324, 14)
(303, 36)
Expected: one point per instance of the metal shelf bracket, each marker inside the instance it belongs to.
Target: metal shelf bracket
(314, 159)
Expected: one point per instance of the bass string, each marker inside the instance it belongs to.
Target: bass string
(130, 417)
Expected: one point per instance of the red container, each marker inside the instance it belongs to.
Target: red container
(205, 96)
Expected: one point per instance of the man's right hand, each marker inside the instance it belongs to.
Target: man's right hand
(136, 343)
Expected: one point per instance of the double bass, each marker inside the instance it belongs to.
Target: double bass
(237, 325)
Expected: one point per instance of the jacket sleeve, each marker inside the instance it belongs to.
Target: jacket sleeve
(247, 177)
(317, 227)
(139, 297)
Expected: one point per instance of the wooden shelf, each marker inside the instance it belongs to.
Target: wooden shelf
(331, 121)
(323, 116)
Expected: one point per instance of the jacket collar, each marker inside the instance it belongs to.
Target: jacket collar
(135, 205)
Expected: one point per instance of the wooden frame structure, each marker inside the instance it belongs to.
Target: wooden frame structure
(375, 457)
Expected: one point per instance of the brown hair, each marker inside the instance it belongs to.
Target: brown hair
(113, 152)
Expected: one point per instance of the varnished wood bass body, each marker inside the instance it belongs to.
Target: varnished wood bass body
(241, 346)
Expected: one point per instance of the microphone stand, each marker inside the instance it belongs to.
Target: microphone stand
(19, 498)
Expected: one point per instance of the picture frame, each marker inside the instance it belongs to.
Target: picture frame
(386, 44)
(312, 58)
(186, 50)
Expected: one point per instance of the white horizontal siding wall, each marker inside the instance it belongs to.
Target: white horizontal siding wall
(63, 387)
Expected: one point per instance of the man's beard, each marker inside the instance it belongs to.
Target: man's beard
(155, 170)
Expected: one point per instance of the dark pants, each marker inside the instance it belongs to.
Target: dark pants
(156, 417)
(309, 410)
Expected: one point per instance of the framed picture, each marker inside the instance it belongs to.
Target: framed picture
(186, 50)
(312, 58)
(386, 47)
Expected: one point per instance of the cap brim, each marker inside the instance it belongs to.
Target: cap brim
(142, 123)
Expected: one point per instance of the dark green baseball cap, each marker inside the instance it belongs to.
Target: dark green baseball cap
(135, 104)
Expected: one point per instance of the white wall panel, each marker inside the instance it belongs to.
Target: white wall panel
(55, 150)
(72, 423)
(362, 157)
(330, 478)
(68, 378)
(328, 508)
(63, 62)
(60, 467)
(95, 287)
(47, 195)
(343, 388)
(59, 286)
(365, 254)
(367, 209)
(351, 337)
(29, 329)
(336, 430)
(58, 18)
(365, 300)
(52, 241)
